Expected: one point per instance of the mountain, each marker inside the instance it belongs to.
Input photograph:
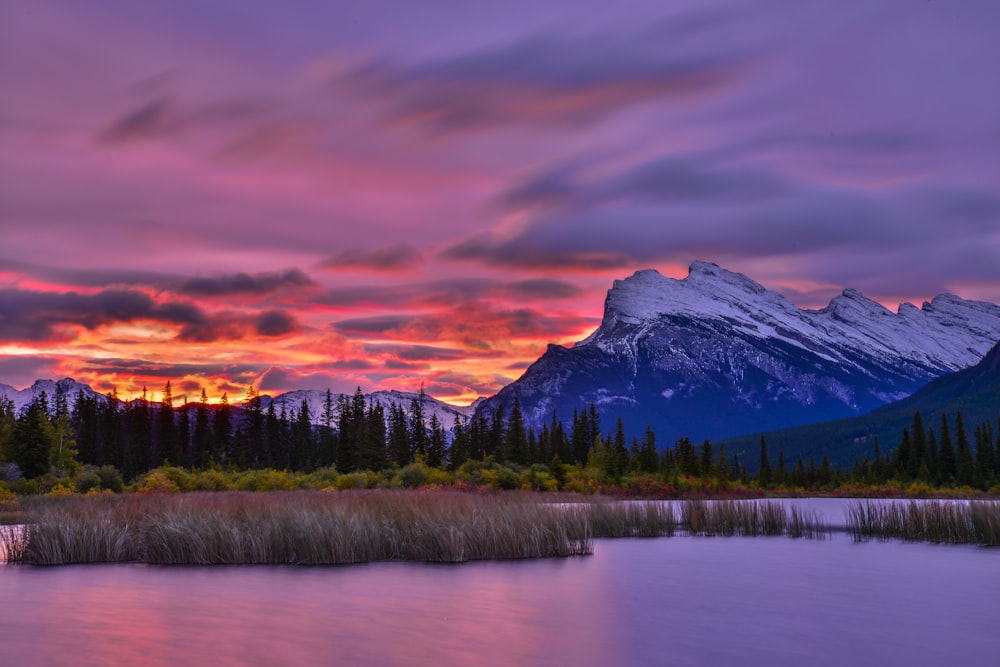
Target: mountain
(24, 397)
(446, 413)
(292, 401)
(975, 392)
(716, 354)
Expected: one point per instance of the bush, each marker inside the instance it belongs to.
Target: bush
(111, 479)
(358, 480)
(414, 475)
(265, 480)
(156, 481)
(87, 479)
(212, 480)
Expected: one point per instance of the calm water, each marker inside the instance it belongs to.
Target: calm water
(669, 601)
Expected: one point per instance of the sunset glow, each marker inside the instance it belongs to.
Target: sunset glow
(393, 195)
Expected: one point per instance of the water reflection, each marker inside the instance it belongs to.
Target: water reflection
(672, 601)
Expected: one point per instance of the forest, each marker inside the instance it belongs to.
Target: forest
(83, 443)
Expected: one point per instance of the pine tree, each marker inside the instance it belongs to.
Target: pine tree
(764, 473)
(31, 445)
(963, 456)
(947, 468)
(436, 443)
(201, 442)
(222, 431)
(515, 439)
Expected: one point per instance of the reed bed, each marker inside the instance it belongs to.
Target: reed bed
(301, 528)
(749, 519)
(957, 522)
(322, 528)
(631, 519)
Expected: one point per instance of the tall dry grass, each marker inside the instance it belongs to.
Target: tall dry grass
(956, 522)
(303, 528)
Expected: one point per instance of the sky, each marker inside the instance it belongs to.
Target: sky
(391, 194)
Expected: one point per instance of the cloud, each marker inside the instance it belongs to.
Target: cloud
(39, 316)
(399, 257)
(31, 315)
(521, 252)
(544, 80)
(477, 326)
(416, 352)
(230, 325)
(246, 284)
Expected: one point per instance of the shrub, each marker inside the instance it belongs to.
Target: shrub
(111, 479)
(87, 479)
(156, 481)
(212, 480)
(414, 475)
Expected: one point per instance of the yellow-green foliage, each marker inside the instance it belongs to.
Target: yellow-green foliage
(358, 480)
(156, 481)
(266, 480)
(8, 499)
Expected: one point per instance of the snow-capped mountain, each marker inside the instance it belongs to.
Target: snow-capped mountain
(446, 413)
(716, 354)
(24, 397)
(291, 401)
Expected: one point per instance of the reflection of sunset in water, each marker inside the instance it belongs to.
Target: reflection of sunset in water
(677, 601)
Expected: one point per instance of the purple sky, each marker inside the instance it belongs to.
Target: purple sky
(389, 193)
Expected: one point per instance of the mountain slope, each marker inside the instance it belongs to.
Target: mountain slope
(975, 392)
(446, 413)
(716, 354)
(24, 397)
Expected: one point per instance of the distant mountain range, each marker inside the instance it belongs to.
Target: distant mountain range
(975, 392)
(716, 355)
(290, 401)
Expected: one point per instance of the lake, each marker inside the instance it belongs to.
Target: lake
(667, 601)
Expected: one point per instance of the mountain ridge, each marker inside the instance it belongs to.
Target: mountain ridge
(716, 354)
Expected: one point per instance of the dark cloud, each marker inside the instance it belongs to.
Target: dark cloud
(521, 252)
(246, 284)
(98, 277)
(399, 257)
(163, 117)
(153, 119)
(281, 379)
(38, 316)
(230, 325)
(416, 352)
(692, 179)
(397, 365)
(273, 323)
(545, 80)
(476, 325)
(169, 371)
(541, 288)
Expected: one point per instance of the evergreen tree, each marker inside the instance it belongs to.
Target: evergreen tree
(222, 431)
(706, 459)
(302, 439)
(946, 454)
(399, 436)
(31, 447)
(167, 442)
(458, 453)
(963, 456)
(764, 473)
(648, 458)
(201, 441)
(515, 446)
(436, 443)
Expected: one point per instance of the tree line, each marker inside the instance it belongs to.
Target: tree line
(354, 433)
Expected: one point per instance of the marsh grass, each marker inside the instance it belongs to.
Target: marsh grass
(955, 522)
(302, 528)
(324, 528)
(749, 519)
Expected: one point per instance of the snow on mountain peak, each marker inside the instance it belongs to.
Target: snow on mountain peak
(948, 333)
